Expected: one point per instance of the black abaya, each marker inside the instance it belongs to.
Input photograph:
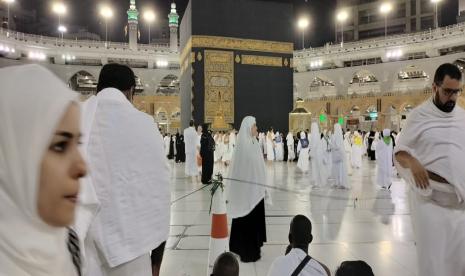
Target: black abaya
(248, 234)
(371, 139)
(286, 150)
(207, 149)
(171, 151)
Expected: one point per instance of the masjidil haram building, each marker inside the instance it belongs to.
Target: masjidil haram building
(225, 59)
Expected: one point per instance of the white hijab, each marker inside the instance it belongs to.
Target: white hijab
(315, 141)
(247, 165)
(32, 102)
(338, 140)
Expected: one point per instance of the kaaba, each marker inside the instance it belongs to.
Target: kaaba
(236, 60)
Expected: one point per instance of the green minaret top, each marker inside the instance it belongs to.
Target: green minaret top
(133, 13)
(173, 16)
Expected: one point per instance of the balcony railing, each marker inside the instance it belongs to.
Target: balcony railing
(381, 42)
(58, 42)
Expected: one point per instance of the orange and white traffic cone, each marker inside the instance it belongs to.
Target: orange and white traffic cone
(219, 242)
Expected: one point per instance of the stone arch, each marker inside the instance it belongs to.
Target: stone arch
(169, 85)
(412, 71)
(363, 76)
(364, 82)
(410, 78)
(321, 85)
(83, 82)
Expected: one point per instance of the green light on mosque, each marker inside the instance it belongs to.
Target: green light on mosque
(323, 118)
(341, 121)
(133, 13)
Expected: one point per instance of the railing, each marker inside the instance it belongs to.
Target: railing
(393, 40)
(58, 42)
(371, 95)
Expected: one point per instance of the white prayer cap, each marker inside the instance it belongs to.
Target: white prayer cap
(386, 132)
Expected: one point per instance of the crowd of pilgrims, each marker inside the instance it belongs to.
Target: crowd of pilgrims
(331, 155)
(85, 186)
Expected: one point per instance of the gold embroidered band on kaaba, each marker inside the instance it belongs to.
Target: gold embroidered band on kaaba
(238, 44)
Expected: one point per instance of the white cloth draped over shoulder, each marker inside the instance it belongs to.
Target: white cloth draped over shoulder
(247, 165)
(437, 140)
(191, 140)
(32, 103)
(130, 175)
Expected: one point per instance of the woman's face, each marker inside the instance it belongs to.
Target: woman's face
(61, 168)
(254, 130)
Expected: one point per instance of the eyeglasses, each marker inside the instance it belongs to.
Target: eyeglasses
(449, 92)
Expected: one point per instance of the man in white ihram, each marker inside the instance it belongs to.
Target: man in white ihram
(129, 175)
(191, 140)
(297, 260)
(430, 156)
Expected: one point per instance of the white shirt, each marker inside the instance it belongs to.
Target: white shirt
(190, 140)
(285, 265)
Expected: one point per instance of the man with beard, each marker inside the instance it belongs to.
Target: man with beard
(430, 156)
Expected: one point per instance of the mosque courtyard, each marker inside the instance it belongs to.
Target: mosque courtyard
(363, 223)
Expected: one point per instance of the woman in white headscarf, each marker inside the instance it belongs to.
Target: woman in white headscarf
(339, 158)
(319, 168)
(279, 147)
(270, 146)
(245, 193)
(302, 151)
(357, 145)
(290, 147)
(384, 149)
(40, 167)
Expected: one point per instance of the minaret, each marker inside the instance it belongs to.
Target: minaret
(461, 16)
(174, 24)
(133, 15)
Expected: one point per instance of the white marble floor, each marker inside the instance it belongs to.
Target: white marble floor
(363, 223)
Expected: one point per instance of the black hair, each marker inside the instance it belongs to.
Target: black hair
(354, 268)
(226, 265)
(116, 76)
(447, 69)
(191, 123)
(300, 232)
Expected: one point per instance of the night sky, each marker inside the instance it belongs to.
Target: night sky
(85, 13)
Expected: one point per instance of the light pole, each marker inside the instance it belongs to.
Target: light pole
(341, 17)
(59, 9)
(62, 29)
(107, 13)
(8, 2)
(385, 9)
(436, 21)
(149, 16)
(303, 24)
